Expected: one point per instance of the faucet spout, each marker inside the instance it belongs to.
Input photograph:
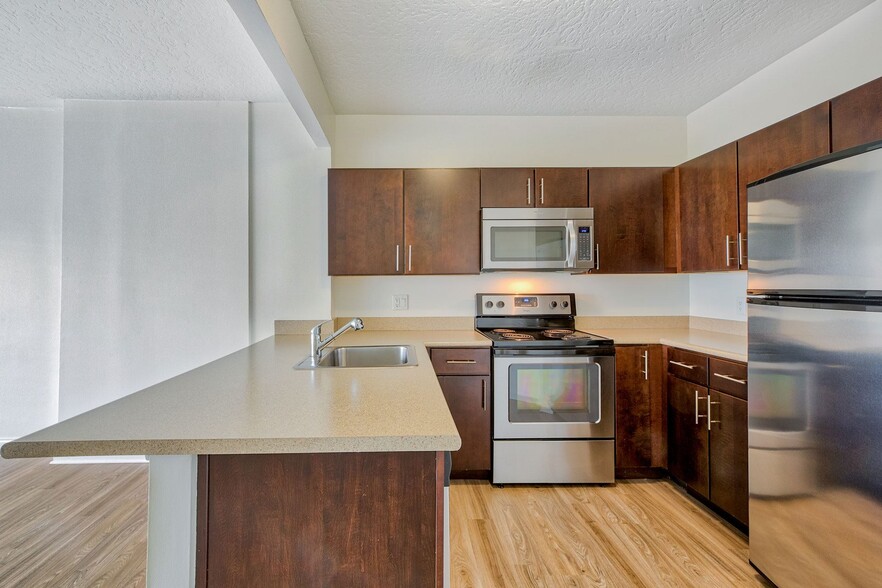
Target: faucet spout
(317, 344)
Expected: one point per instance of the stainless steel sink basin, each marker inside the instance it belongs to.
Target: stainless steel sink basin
(365, 356)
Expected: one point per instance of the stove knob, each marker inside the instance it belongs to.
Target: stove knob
(565, 304)
(489, 304)
(500, 304)
(553, 304)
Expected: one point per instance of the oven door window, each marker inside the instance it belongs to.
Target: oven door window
(528, 243)
(554, 393)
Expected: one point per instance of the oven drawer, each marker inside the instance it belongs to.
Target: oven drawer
(554, 462)
(688, 365)
(461, 361)
(729, 377)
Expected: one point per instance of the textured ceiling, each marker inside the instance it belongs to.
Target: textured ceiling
(550, 57)
(128, 49)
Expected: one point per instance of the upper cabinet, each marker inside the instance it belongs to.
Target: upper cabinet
(442, 221)
(794, 140)
(365, 221)
(708, 211)
(628, 207)
(527, 187)
(856, 116)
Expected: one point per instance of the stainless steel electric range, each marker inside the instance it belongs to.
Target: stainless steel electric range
(553, 391)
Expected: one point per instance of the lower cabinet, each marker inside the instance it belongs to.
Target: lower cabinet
(687, 434)
(728, 454)
(464, 376)
(640, 412)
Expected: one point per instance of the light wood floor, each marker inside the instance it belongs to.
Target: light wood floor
(86, 525)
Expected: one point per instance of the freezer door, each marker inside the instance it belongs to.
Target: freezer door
(815, 445)
(819, 229)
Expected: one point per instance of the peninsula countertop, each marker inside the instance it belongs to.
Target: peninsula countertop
(254, 401)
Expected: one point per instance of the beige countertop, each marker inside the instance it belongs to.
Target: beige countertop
(254, 401)
(710, 342)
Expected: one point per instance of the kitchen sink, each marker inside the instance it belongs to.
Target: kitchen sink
(365, 356)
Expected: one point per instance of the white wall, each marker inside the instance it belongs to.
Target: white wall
(840, 59)
(508, 141)
(718, 295)
(155, 243)
(30, 267)
(288, 220)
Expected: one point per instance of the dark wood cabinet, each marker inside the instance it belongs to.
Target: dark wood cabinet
(507, 187)
(512, 187)
(561, 187)
(728, 454)
(687, 434)
(464, 376)
(628, 207)
(641, 417)
(442, 221)
(709, 211)
(365, 221)
(789, 142)
(856, 116)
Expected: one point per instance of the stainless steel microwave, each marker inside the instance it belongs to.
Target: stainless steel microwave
(537, 239)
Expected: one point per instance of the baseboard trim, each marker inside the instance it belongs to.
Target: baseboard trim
(86, 459)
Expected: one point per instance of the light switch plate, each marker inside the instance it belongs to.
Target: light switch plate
(399, 301)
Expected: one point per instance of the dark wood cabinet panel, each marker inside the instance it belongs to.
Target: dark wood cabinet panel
(688, 365)
(442, 221)
(671, 190)
(461, 361)
(728, 455)
(468, 398)
(628, 207)
(641, 412)
(856, 116)
(793, 140)
(688, 441)
(561, 187)
(709, 211)
(728, 376)
(331, 519)
(365, 221)
(507, 187)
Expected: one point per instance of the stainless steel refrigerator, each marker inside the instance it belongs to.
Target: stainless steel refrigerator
(815, 371)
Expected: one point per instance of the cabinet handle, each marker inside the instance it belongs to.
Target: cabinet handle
(697, 398)
(461, 361)
(709, 421)
(730, 378)
(728, 252)
(645, 371)
(597, 257)
(541, 190)
(740, 250)
(483, 394)
(397, 257)
(410, 258)
(683, 365)
(528, 191)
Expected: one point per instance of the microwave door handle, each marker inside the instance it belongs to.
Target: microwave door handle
(571, 244)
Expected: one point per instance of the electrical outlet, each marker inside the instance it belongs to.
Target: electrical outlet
(741, 306)
(399, 302)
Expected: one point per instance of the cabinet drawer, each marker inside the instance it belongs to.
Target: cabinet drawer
(688, 365)
(461, 361)
(729, 377)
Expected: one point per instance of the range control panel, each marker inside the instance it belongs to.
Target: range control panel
(525, 304)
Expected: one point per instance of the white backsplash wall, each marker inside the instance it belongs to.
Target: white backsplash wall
(718, 295)
(626, 295)
(30, 271)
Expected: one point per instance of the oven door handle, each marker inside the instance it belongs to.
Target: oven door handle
(570, 244)
(599, 392)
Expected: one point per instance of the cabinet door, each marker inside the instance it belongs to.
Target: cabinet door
(728, 454)
(688, 441)
(561, 187)
(507, 187)
(628, 207)
(640, 412)
(856, 116)
(709, 211)
(442, 226)
(365, 222)
(468, 398)
(793, 140)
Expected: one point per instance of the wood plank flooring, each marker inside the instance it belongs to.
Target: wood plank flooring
(86, 525)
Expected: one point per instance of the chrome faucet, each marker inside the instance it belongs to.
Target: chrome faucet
(317, 344)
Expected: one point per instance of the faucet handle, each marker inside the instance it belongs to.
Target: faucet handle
(317, 330)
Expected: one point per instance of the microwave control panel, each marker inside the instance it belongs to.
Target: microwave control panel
(583, 242)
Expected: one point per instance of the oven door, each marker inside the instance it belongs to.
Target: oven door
(553, 396)
(545, 244)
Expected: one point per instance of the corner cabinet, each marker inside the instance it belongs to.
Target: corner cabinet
(398, 222)
(464, 376)
(641, 419)
(707, 429)
(511, 187)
